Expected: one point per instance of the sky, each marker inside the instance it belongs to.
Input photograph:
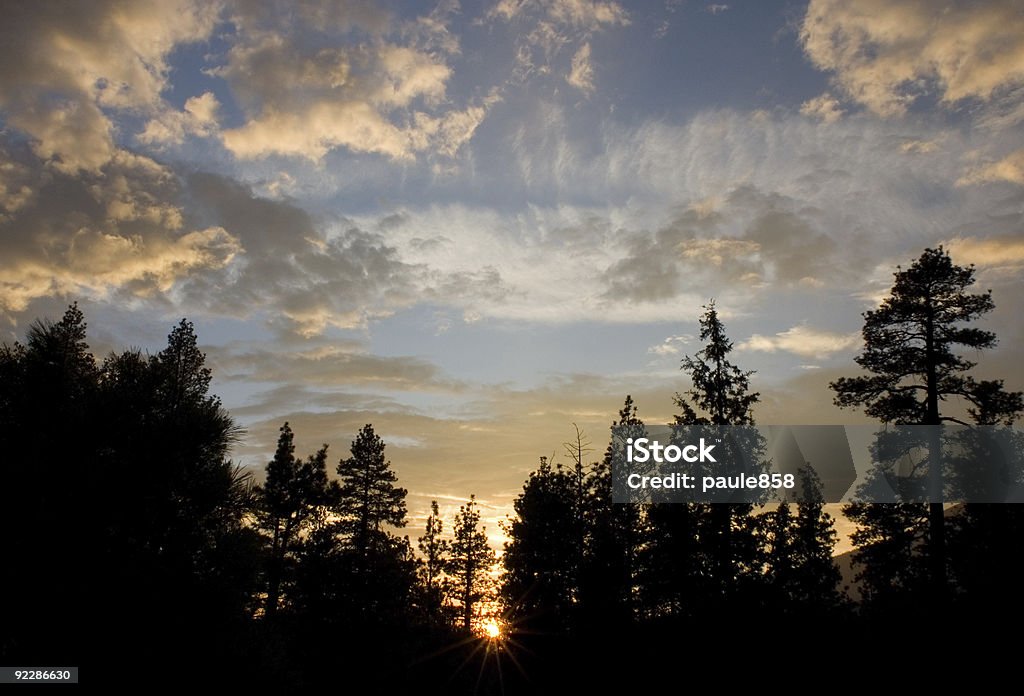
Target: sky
(476, 225)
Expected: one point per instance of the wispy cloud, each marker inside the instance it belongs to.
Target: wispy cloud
(1009, 169)
(804, 341)
(671, 345)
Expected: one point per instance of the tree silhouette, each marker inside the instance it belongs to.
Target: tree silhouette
(720, 389)
(434, 550)
(614, 535)
(356, 569)
(707, 551)
(802, 578)
(369, 497)
(540, 583)
(909, 353)
(48, 487)
(293, 501)
(470, 562)
(134, 483)
(184, 544)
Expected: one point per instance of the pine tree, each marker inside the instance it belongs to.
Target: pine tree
(707, 552)
(369, 500)
(816, 584)
(910, 345)
(51, 505)
(198, 489)
(613, 533)
(186, 379)
(721, 394)
(291, 503)
(720, 389)
(801, 576)
(434, 550)
(540, 584)
(470, 562)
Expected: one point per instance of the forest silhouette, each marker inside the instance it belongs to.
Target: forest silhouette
(137, 549)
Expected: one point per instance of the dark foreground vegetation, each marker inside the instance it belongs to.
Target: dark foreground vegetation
(135, 548)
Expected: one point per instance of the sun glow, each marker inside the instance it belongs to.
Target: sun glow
(491, 629)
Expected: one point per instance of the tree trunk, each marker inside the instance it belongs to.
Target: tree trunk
(936, 513)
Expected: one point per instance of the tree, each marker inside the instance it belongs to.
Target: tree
(910, 345)
(49, 495)
(610, 571)
(707, 551)
(293, 501)
(196, 491)
(434, 549)
(358, 570)
(470, 562)
(175, 501)
(816, 584)
(369, 497)
(801, 576)
(122, 468)
(720, 389)
(540, 584)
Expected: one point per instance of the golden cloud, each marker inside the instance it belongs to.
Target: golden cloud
(885, 54)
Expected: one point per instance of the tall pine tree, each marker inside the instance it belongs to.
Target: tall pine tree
(702, 556)
(911, 345)
(292, 502)
(369, 501)
(434, 550)
(610, 569)
(470, 562)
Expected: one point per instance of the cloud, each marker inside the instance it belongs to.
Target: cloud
(824, 107)
(118, 231)
(68, 67)
(305, 275)
(886, 55)
(551, 27)
(751, 241)
(915, 146)
(285, 398)
(671, 345)
(305, 97)
(170, 127)
(1010, 168)
(582, 74)
(803, 341)
(717, 8)
(663, 216)
(588, 15)
(1006, 252)
(330, 365)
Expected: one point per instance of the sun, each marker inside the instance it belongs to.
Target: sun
(491, 629)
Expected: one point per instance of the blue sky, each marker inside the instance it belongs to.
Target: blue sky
(476, 224)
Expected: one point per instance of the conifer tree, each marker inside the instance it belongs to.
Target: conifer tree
(470, 562)
(369, 499)
(291, 503)
(610, 570)
(540, 560)
(706, 552)
(910, 355)
(800, 574)
(434, 550)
